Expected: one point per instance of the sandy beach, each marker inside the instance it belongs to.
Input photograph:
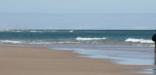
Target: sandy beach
(41, 61)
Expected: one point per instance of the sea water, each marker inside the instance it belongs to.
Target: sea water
(123, 46)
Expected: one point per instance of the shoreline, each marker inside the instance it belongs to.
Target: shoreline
(17, 60)
(120, 52)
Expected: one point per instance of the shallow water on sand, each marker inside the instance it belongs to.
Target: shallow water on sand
(121, 54)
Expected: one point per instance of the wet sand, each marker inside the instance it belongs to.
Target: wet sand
(16, 60)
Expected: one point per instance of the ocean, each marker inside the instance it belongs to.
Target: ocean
(76, 36)
(123, 46)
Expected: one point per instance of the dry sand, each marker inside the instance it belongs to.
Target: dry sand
(41, 61)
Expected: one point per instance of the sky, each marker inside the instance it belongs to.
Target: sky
(77, 14)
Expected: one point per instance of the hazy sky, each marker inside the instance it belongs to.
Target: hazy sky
(91, 14)
(78, 6)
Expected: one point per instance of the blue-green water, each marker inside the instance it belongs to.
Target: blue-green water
(75, 36)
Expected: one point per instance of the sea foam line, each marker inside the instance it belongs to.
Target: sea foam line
(11, 41)
(138, 40)
(89, 39)
(36, 42)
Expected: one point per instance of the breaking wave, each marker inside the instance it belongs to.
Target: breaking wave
(11, 41)
(134, 40)
(89, 39)
(36, 42)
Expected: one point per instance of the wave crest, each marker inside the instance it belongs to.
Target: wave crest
(36, 42)
(89, 39)
(138, 40)
(11, 41)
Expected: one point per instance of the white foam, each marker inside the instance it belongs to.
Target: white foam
(65, 42)
(35, 42)
(34, 31)
(138, 40)
(71, 31)
(89, 39)
(11, 41)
